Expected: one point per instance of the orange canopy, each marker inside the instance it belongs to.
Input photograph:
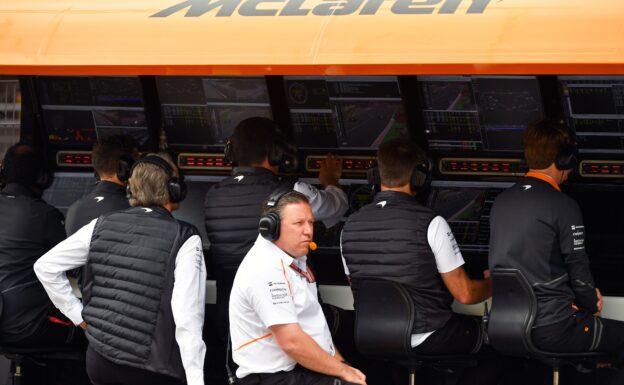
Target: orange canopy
(328, 37)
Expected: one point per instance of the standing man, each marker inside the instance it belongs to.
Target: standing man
(28, 228)
(144, 287)
(233, 206)
(545, 240)
(279, 333)
(396, 238)
(113, 157)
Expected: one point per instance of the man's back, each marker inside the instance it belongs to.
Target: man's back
(388, 239)
(28, 228)
(539, 230)
(232, 211)
(105, 197)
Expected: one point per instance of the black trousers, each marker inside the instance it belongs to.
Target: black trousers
(298, 376)
(462, 334)
(581, 333)
(104, 372)
(50, 334)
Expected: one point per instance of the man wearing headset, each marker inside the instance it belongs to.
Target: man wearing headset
(113, 157)
(539, 230)
(279, 333)
(396, 238)
(144, 285)
(28, 228)
(232, 207)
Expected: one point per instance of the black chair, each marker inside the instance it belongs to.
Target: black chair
(511, 319)
(38, 355)
(384, 319)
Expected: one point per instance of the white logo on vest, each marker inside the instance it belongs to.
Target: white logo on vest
(147, 209)
(239, 178)
(382, 204)
(99, 199)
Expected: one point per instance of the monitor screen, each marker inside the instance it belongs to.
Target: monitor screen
(200, 112)
(594, 109)
(466, 113)
(466, 207)
(192, 208)
(67, 188)
(78, 110)
(345, 112)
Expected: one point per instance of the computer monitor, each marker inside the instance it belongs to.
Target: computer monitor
(466, 207)
(202, 112)
(479, 113)
(345, 112)
(67, 188)
(192, 208)
(594, 109)
(79, 109)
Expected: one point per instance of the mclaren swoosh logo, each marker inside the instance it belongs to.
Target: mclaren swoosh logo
(147, 209)
(239, 178)
(382, 204)
(526, 187)
(99, 199)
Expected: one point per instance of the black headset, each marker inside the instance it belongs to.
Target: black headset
(43, 179)
(282, 153)
(420, 177)
(175, 185)
(269, 225)
(567, 157)
(124, 167)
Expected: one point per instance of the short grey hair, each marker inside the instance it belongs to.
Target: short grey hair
(148, 184)
(288, 198)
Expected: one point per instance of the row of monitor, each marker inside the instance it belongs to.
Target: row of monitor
(460, 113)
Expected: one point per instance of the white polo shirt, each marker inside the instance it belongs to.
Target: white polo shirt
(267, 292)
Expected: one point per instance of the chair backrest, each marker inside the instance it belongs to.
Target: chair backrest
(514, 308)
(384, 318)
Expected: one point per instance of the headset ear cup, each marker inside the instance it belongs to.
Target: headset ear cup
(566, 158)
(269, 226)
(177, 189)
(123, 168)
(276, 153)
(45, 178)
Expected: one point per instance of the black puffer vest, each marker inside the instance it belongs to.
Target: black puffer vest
(387, 239)
(128, 285)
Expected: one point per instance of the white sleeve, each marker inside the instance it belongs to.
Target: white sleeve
(328, 205)
(344, 261)
(187, 306)
(51, 267)
(444, 246)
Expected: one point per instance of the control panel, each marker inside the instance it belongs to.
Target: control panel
(485, 167)
(602, 168)
(200, 161)
(74, 159)
(350, 164)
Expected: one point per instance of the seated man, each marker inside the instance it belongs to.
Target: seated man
(279, 334)
(539, 230)
(113, 157)
(28, 228)
(144, 286)
(396, 238)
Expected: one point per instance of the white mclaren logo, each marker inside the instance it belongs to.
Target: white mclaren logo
(147, 209)
(526, 187)
(382, 204)
(99, 199)
(239, 178)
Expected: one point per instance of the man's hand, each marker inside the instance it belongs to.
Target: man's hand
(331, 171)
(599, 303)
(353, 375)
(83, 325)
